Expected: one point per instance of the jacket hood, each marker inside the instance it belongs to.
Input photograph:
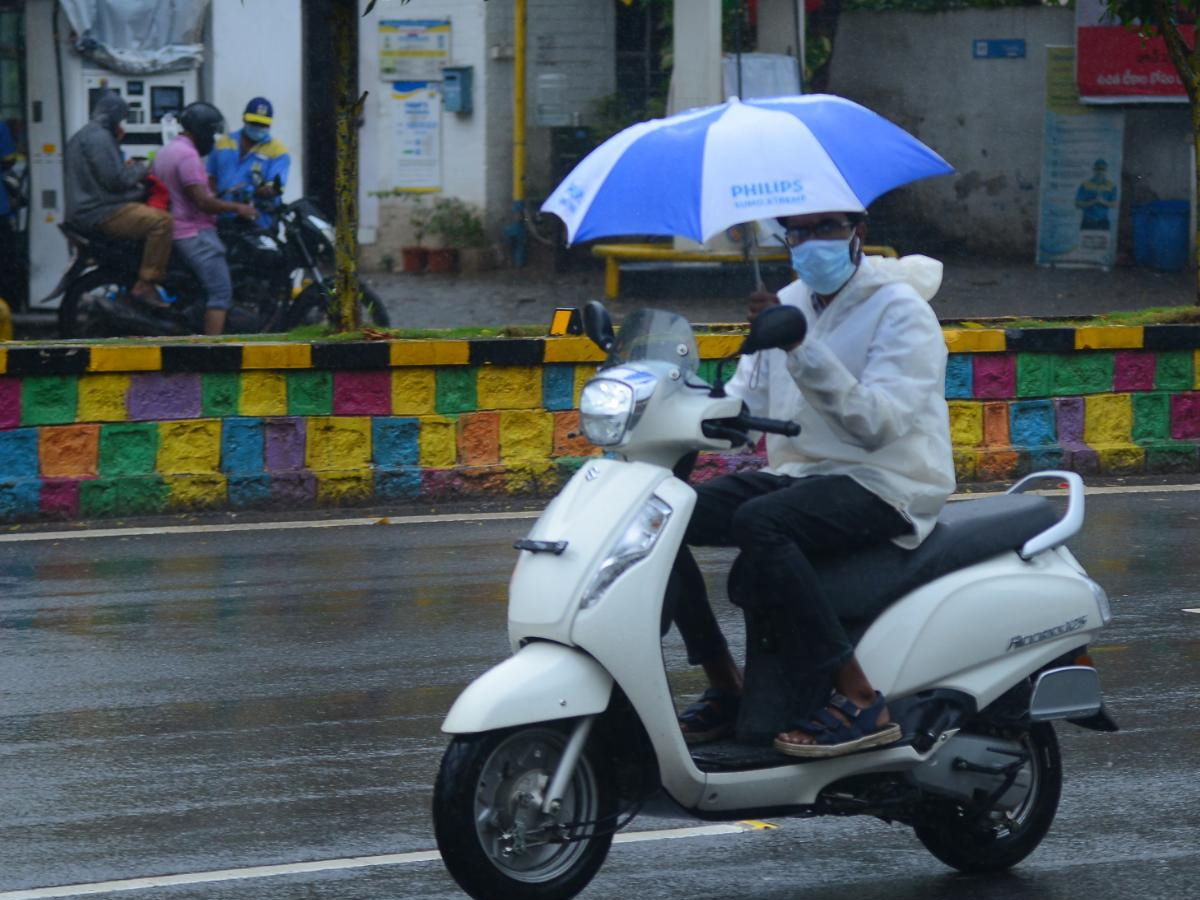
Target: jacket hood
(922, 273)
(110, 111)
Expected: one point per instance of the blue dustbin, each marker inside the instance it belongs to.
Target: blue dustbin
(1169, 234)
(1142, 247)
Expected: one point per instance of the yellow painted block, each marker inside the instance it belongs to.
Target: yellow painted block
(3, 361)
(1196, 369)
(508, 387)
(125, 359)
(438, 443)
(965, 461)
(527, 476)
(572, 349)
(1109, 337)
(526, 435)
(338, 443)
(975, 340)
(102, 398)
(430, 353)
(349, 486)
(189, 447)
(276, 356)
(414, 391)
(196, 491)
(1108, 419)
(583, 374)
(719, 346)
(1121, 459)
(263, 394)
(966, 424)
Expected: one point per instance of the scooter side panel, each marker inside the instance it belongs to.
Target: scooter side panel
(544, 591)
(967, 630)
(540, 683)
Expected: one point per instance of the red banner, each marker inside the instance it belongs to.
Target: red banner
(1115, 64)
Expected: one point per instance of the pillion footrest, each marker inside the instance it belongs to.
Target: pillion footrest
(730, 756)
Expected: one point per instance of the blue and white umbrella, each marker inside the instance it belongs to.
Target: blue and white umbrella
(699, 172)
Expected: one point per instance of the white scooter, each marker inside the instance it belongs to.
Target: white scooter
(978, 638)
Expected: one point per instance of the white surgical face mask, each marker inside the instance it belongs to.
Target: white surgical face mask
(824, 265)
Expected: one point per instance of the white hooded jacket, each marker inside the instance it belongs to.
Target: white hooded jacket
(867, 388)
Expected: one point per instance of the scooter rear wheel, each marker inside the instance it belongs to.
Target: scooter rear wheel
(991, 841)
(491, 833)
(79, 312)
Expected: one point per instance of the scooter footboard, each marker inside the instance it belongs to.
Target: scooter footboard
(541, 682)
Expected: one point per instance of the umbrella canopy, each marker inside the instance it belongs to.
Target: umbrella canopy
(699, 172)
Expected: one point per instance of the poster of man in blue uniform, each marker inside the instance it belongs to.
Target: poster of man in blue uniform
(1096, 197)
(245, 164)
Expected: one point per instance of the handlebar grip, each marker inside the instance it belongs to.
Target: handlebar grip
(769, 426)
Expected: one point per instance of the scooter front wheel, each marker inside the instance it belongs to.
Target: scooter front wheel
(488, 820)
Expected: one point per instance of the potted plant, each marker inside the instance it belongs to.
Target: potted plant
(458, 228)
(415, 257)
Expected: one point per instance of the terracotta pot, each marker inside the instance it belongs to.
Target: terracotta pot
(476, 259)
(443, 260)
(415, 259)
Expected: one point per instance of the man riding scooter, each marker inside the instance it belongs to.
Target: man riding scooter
(872, 463)
(104, 193)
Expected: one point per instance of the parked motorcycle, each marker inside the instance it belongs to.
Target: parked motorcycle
(978, 638)
(277, 276)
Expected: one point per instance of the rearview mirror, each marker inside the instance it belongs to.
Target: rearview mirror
(597, 324)
(775, 326)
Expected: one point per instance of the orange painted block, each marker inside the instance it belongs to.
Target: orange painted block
(68, 451)
(568, 437)
(995, 425)
(479, 439)
(996, 465)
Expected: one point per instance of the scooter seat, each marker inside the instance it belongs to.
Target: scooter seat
(861, 585)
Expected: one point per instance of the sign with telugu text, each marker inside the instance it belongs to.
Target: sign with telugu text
(415, 111)
(1117, 65)
(1081, 173)
(413, 49)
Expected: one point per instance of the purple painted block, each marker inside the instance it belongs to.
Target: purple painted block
(10, 402)
(284, 445)
(1133, 371)
(60, 498)
(362, 393)
(1185, 416)
(294, 489)
(1081, 459)
(1069, 416)
(994, 375)
(440, 483)
(155, 396)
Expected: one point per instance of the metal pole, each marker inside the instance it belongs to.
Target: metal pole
(349, 110)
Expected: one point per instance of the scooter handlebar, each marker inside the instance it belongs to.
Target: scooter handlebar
(735, 429)
(769, 426)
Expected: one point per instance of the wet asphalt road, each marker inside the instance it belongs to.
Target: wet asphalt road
(190, 703)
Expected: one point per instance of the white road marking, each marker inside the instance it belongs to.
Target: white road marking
(324, 865)
(1197, 611)
(453, 518)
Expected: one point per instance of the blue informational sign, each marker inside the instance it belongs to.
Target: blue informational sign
(1006, 48)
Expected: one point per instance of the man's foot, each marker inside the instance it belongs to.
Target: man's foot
(710, 718)
(148, 296)
(842, 727)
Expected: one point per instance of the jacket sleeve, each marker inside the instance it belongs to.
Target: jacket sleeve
(749, 382)
(905, 362)
(104, 161)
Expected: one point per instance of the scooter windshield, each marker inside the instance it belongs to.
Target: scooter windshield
(655, 334)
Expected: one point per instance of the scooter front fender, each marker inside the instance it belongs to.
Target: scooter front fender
(541, 682)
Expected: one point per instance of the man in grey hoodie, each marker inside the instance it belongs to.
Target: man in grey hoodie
(103, 193)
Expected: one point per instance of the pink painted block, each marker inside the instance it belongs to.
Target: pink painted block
(1185, 416)
(1133, 370)
(60, 498)
(10, 402)
(994, 375)
(362, 394)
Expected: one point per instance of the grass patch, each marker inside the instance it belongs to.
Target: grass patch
(1158, 315)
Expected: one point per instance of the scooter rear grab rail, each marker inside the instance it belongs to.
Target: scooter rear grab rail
(1066, 527)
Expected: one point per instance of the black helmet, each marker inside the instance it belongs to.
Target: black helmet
(202, 121)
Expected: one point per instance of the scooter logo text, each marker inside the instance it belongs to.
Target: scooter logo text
(1024, 640)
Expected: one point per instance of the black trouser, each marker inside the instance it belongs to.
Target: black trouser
(778, 522)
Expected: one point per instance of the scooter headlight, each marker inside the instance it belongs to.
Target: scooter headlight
(605, 408)
(638, 539)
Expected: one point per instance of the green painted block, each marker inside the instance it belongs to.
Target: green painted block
(1174, 370)
(310, 393)
(128, 448)
(455, 390)
(220, 394)
(1171, 457)
(122, 496)
(1035, 374)
(1151, 416)
(1082, 373)
(49, 399)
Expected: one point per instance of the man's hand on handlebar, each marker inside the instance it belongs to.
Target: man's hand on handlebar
(246, 211)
